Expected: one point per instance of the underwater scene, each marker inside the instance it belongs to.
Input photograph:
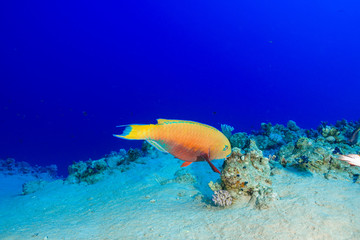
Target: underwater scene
(179, 120)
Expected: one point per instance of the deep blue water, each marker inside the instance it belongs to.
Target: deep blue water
(72, 70)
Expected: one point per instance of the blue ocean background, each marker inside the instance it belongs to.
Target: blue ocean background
(73, 70)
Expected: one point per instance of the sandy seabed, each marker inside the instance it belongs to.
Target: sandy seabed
(133, 205)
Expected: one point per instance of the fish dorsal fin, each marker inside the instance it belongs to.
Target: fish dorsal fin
(165, 121)
(162, 121)
(157, 145)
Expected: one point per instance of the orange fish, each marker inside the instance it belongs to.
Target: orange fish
(186, 140)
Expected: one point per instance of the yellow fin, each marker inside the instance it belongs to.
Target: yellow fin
(135, 131)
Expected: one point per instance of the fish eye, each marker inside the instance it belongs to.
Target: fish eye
(226, 147)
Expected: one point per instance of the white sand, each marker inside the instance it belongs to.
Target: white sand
(133, 205)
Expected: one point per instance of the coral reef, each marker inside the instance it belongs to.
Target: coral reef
(248, 175)
(115, 159)
(222, 198)
(92, 171)
(239, 140)
(11, 167)
(215, 186)
(317, 156)
(37, 176)
(310, 150)
(291, 125)
(227, 130)
(89, 171)
(245, 172)
(273, 137)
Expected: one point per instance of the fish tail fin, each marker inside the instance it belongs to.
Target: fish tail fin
(135, 131)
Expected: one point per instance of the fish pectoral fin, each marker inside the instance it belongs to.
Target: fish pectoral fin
(157, 145)
(185, 164)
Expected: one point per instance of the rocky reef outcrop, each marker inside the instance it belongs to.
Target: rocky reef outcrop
(92, 171)
(246, 175)
(37, 176)
(312, 150)
(319, 156)
(11, 167)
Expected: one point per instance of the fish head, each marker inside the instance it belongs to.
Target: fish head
(221, 150)
(227, 150)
